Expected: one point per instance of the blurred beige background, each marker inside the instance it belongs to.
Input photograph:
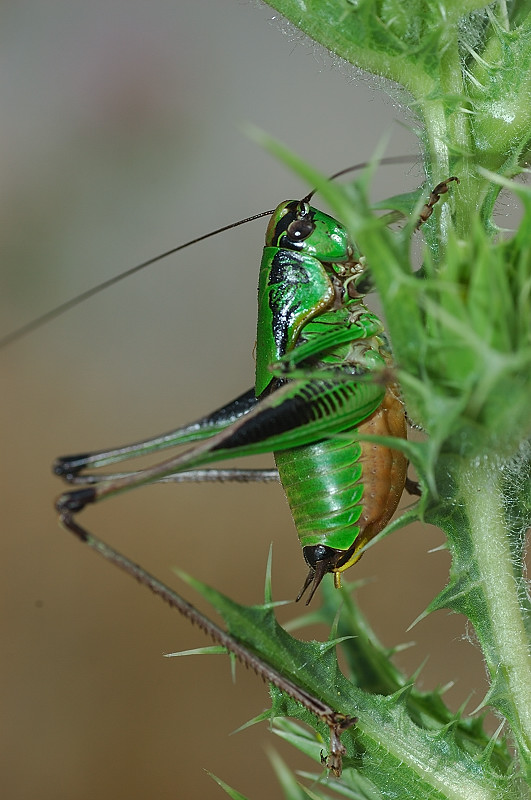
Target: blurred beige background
(122, 137)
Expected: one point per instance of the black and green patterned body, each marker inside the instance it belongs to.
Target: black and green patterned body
(341, 490)
(320, 389)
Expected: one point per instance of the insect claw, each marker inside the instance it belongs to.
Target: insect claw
(427, 209)
(413, 487)
(334, 761)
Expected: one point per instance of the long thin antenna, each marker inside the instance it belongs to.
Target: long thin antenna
(36, 323)
(62, 308)
(386, 162)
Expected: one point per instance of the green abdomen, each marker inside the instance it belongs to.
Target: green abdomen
(324, 486)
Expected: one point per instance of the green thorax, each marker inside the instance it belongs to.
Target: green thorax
(297, 279)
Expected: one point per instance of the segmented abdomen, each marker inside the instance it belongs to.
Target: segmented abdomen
(341, 490)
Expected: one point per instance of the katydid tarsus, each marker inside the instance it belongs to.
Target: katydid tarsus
(321, 388)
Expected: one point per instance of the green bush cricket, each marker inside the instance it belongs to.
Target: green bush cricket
(322, 369)
(311, 316)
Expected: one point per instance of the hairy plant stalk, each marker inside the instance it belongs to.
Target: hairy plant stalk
(484, 507)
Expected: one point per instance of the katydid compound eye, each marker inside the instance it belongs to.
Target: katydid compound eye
(300, 229)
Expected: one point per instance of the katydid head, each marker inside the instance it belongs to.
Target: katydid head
(295, 225)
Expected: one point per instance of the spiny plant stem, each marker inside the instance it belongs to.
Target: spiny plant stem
(484, 504)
